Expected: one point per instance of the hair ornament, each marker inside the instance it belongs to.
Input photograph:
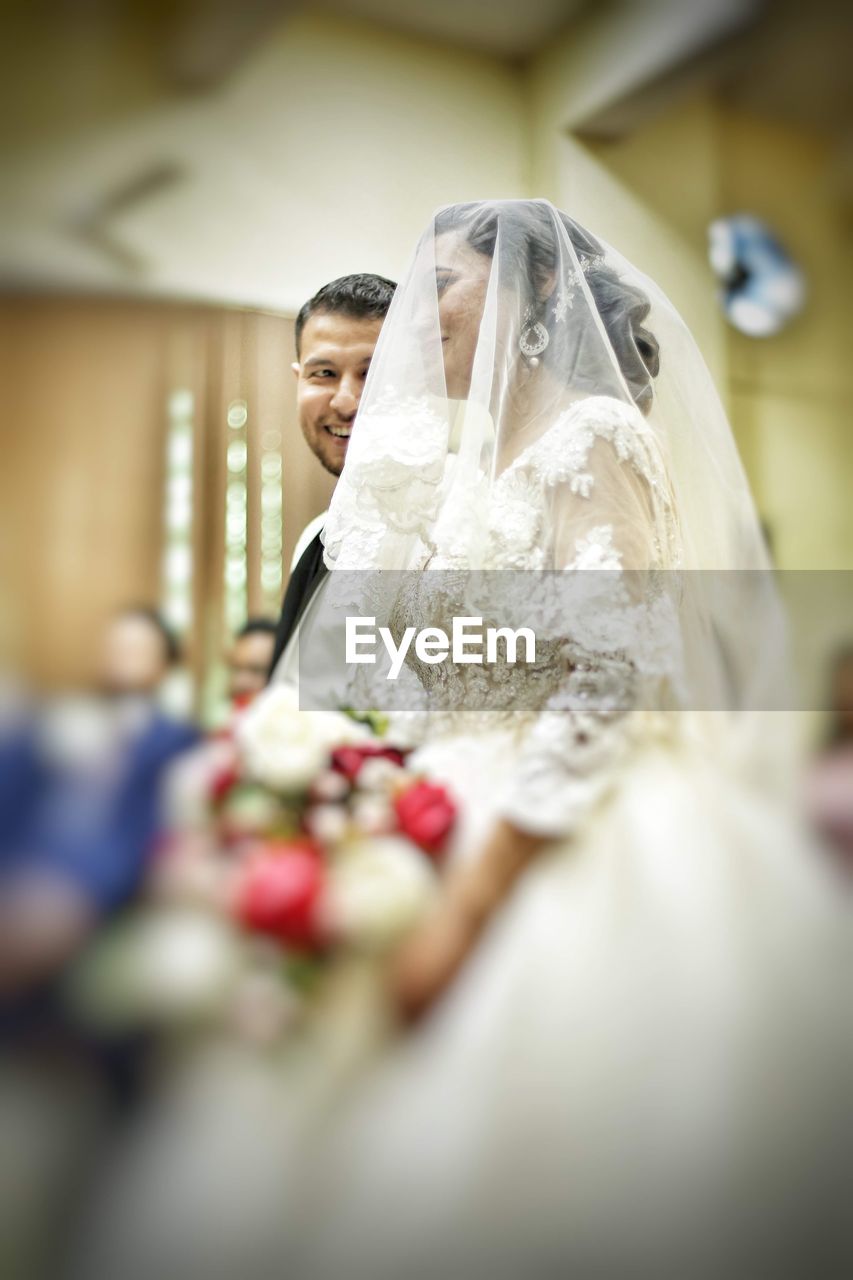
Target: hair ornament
(566, 293)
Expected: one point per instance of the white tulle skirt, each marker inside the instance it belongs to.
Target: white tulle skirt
(641, 1062)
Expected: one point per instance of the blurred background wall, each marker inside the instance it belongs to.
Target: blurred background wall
(178, 179)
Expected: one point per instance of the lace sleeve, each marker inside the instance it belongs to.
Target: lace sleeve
(607, 512)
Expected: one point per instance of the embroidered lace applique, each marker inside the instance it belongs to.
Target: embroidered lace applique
(592, 667)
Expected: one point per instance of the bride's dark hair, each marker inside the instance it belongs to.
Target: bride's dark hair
(529, 244)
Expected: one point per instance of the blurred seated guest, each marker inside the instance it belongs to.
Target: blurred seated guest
(249, 660)
(137, 652)
(79, 824)
(830, 790)
(81, 782)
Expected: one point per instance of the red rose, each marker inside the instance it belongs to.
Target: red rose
(279, 891)
(426, 815)
(349, 760)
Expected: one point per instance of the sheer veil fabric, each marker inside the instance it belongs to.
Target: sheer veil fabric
(520, 350)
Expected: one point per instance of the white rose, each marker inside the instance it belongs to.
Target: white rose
(377, 889)
(285, 748)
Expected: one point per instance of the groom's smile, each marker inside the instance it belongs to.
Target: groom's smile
(334, 356)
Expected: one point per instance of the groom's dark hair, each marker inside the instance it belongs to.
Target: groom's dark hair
(361, 297)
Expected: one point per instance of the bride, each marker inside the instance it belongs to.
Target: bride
(623, 1045)
(628, 977)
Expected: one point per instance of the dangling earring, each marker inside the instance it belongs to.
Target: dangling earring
(534, 338)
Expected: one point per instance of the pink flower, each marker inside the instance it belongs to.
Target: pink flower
(426, 814)
(279, 892)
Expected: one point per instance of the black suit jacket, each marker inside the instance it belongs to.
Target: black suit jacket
(303, 582)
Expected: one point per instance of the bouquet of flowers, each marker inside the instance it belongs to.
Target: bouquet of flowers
(302, 841)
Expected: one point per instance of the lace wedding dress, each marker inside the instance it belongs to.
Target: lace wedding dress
(632, 1054)
(590, 494)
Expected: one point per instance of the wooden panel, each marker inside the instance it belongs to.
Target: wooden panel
(83, 432)
(86, 388)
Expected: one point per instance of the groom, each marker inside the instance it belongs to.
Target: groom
(336, 332)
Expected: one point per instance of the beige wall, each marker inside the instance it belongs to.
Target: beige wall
(655, 213)
(324, 153)
(791, 394)
(652, 195)
(341, 140)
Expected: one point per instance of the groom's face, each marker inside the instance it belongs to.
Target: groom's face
(334, 357)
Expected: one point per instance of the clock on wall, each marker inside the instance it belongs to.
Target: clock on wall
(762, 287)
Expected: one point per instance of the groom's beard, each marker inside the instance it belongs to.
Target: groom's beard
(334, 468)
(329, 450)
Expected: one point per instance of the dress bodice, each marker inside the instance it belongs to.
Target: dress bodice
(571, 540)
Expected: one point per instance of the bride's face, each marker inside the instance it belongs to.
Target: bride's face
(462, 278)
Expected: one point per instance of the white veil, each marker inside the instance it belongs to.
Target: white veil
(510, 317)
